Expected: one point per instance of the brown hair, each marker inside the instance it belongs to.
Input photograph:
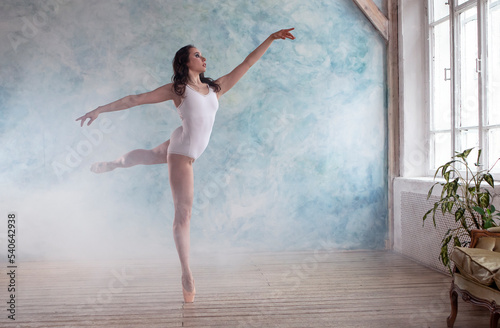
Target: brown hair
(181, 72)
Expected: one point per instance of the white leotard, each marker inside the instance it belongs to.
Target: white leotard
(197, 112)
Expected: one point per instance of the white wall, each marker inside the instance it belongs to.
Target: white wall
(413, 86)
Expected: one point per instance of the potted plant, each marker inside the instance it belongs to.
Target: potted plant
(465, 197)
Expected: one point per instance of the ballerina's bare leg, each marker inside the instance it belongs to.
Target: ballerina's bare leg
(180, 172)
(157, 155)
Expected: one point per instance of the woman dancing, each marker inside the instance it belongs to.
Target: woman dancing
(196, 98)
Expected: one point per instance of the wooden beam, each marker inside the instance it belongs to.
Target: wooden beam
(393, 114)
(389, 28)
(375, 16)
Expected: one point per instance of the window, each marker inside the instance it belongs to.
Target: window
(464, 93)
(493, 86)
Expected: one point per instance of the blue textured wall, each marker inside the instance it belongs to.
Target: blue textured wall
(297, 157)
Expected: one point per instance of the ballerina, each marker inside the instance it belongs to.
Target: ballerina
(196, 99)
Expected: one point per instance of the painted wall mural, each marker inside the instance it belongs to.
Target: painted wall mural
(297, 158)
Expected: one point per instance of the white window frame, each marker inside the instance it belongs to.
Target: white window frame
(453, 18)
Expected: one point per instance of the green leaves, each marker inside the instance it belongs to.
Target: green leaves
(487, 215)
(484, 199)
(430, 190)
(433, 210)
(489, 179)
(444, 168)
(488, 223)
(477, 164)
(446, 207)
(443, 256)
(464, 197)
(463, 155)
(459, 214)
(479, 210)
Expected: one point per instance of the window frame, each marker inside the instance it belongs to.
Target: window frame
(483, 127)
(431, 24)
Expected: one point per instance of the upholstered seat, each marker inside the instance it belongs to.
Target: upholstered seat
(476, 275)
(477, 264)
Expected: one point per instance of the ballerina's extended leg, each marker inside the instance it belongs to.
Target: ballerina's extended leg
(157, 155)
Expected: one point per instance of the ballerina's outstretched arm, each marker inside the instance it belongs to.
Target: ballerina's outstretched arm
(226, 82)
(160, 94)
(157, 155)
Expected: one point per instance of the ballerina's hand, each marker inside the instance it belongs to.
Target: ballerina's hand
(90, 115)
(283, 34)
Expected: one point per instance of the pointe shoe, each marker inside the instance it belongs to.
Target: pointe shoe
(99, 167)
(188, 296)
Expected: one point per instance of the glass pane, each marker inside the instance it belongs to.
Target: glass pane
(441, 9)
(468, 110)
(441, 110)
(494, 149)
(441, 149)
(494, 64)
(459, 2)
(469, 139)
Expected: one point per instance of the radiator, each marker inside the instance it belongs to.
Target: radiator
(422, 242)
(415, 240)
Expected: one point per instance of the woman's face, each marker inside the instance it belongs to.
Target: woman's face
(197, 62)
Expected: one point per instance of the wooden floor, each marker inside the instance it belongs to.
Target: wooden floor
(300, 289)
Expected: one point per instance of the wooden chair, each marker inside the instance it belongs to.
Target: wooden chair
(471, 290)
